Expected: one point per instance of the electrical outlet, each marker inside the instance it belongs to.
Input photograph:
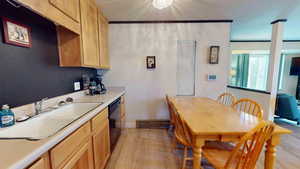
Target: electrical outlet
(76, 86)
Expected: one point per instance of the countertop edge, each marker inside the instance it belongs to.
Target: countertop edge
(25, 162)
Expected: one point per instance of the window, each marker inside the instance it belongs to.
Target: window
(249, 70)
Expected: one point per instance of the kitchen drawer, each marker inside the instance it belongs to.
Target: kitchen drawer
(99, 120)
(61, 152)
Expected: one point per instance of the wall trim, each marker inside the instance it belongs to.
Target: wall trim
(262, 40)
(279, 20)
(170, 21)
(251, 90)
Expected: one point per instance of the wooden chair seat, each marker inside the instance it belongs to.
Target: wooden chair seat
(245, 154)
(218, 157)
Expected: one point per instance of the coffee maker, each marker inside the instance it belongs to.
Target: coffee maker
(100, 86)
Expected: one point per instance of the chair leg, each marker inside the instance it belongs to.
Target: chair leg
(185, 156)
(170, 130)
(174, 143)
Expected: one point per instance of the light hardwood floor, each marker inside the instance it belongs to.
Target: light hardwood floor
(151, 149)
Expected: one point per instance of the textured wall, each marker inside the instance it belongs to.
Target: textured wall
(29, 74)
(146, 89)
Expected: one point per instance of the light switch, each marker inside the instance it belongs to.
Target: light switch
(76, 86)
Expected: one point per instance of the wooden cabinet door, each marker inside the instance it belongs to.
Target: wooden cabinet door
(103, 41)
(42, 163)
(89, 33)
(82, 159)
(101, 145)
(68, 7)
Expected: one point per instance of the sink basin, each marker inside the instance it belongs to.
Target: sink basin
(47, 124)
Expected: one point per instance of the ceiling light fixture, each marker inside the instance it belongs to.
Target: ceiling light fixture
(161, 4)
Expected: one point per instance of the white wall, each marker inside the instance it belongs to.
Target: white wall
(146, 89)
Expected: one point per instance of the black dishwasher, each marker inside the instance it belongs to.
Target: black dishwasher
(114, 116)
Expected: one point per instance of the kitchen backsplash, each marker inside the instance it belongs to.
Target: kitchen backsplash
(30, 74)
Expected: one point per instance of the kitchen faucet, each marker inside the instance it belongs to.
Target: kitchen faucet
(38, 106)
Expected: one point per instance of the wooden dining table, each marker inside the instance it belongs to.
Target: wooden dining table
(209, 120)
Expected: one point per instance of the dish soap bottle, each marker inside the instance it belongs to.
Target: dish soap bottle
(7, 117)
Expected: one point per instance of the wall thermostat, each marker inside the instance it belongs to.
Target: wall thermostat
(211, 77)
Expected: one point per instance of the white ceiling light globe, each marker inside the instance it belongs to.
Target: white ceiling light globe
(161, 4)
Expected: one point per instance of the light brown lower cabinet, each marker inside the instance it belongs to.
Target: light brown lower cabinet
(101, 142)
(41, 163)
(101, 147)
(82, 159)
(86, 148)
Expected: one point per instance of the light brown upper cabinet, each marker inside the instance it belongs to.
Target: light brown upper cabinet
(89, 32)
(83, 50)
(90, 48)
(69, 7)
(49, 11)
(103, 41)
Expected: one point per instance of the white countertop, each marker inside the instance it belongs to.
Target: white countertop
(18, 154)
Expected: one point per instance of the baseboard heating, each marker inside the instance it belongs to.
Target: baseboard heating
(153, 124)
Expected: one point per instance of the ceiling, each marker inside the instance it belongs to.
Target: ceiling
(252, 18)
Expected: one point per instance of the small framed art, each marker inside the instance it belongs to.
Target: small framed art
(16, 33)
(151, 63)
(214, 54)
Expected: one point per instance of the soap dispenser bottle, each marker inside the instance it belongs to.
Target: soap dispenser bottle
(7, 117)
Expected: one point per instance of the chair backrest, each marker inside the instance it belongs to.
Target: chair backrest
(181, 129)
(227, 99)
(171, 110)
(249, 106)
(247, 151)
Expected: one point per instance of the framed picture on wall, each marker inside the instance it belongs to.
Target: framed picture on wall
(151, 63)
(16, 33)
(214, 54)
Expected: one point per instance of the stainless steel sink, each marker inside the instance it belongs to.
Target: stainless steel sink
(47, 123)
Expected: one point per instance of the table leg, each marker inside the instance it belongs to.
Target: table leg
(270, 154)
(197, 150)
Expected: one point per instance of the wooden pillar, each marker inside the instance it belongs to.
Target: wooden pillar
(274, 62)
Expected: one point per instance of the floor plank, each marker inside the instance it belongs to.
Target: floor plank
(151, 149)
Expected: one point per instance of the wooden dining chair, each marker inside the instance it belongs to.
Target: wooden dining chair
(183, 135)
(245, 154)
(249, 106)
(227, 99)
(171, 112)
